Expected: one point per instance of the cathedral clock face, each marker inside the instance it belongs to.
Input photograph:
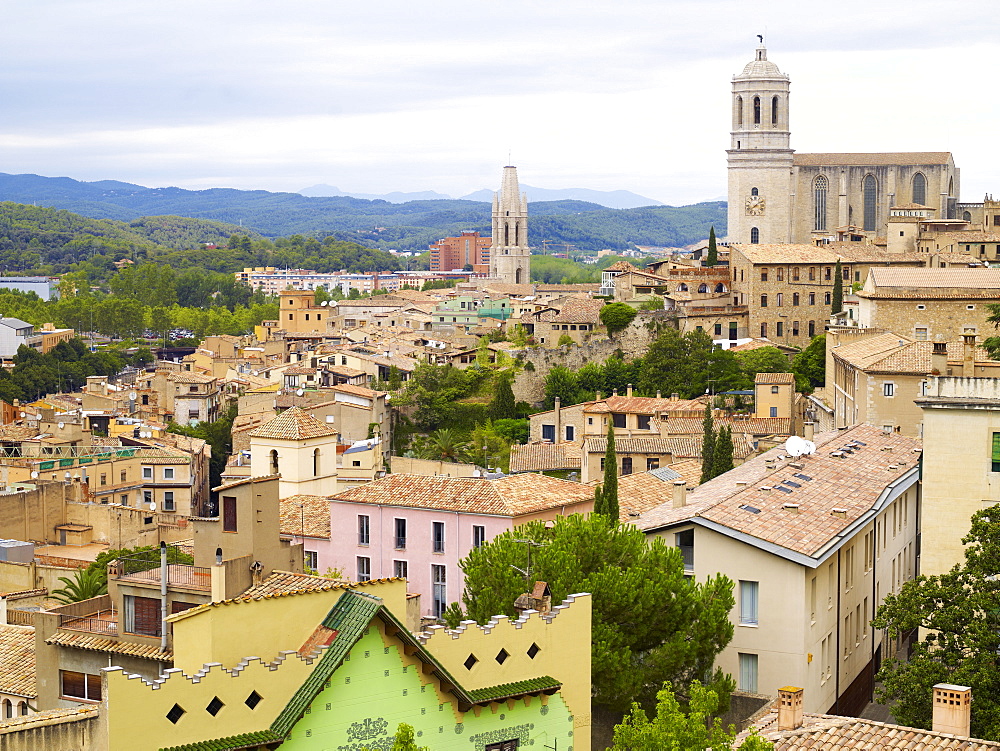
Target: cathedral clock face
(755, 206)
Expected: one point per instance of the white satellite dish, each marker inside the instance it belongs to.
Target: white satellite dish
(34, 475)
(132, 395)
(810, 447)
(796, 446)
(152, 506)
(62, 425)
(300, 392)
(324, 303)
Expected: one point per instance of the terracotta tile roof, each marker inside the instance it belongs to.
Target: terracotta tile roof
(852, 482)
(643, 491)
(17, 660)
(186, 377)
(774, 378)
(969, 236)
(832, 733)
(508, 496)
(785, 253)
(312, 520)
(81, 640)
(540, 457)
(903, 158)
(889, 353)
(685, 446)
(621, 266)
(294, 424)
(580, 311)
(346, 388)
(971, 279)
(643, 405)
(287, 582)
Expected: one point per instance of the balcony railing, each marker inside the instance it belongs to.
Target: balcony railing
(99, 623)
(146, 570)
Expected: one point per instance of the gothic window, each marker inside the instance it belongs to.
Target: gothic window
(919, 189)
(967, 216)
(870, 190)
(703, 288)
(774, 110)
(739, 112)
(754, 192)
(506, 234)
(754, 235)
(819, 202)
(756, 110)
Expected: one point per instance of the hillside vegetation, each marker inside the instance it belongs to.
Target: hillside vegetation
(374, 223)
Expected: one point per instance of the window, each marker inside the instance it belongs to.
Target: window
(685, 542)
(549, 433)
(774, 110)
(795, 298)
(626, 465)
(364, 568)
(779, 328)
(364, 529)
(795, 328)
(400, 569)
(80, 685)
(618, 420)
(439, 588)
(147, 473)
(812, 273)
(763, 331)
(756, 117)
(748, 673)
(104, 478)
(748, 603)
(642, 421)
(827, 299)
(142, 615)
(812, 298)
(780, 272)
(763, 301)
(228, 514)
(819, 203)
(503, 746)
(147, 497)
(168, 473)
(570, 432)
(812, 329)
(870, 190)
(754, 236)
(652, 463)
(812, 600)
(274, 461)
(763, 275)
(168, 501)
(919, 188)
(311, 559)
(888, 389)
(996, 452)
(718, 329)
(315, 458)
(779, 301)
(400, 537)
(437, 530)
(827, 273)
(773, 412)
(124, 475)
(478, 535)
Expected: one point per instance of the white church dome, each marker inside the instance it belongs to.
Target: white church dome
(761, 67)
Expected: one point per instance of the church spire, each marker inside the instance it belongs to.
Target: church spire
(510, 256)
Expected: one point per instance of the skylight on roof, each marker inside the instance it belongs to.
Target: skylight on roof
(751, 509)
(783, 490)
(801, 476)
(791, 484)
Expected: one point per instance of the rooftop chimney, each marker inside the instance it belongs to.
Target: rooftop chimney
(952, 709)
(939, 358)
(628, 391)
(789, 708)
(680, 493)
(808, 430)
(968, 355)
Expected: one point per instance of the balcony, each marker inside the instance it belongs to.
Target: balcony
(104, 622)
(146, 571)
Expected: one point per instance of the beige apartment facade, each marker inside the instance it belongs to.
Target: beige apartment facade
(812, 544)
(961, 472)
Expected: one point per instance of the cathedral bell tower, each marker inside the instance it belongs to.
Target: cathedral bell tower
(759, 157)
(510, 256)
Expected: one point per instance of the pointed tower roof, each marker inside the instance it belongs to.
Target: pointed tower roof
(294, 424)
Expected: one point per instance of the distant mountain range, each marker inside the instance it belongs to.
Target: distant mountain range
(377, 223)
(611, 199)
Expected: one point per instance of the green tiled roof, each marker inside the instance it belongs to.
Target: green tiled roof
(510, 690)
(350, 617)
(244, 740)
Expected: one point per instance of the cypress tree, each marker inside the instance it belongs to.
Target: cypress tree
(713, 251)
(838, 290)
(606, 495)
(707, 444)
(503, 405)
(722, 459)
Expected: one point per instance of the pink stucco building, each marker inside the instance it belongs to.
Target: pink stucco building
(420, 527)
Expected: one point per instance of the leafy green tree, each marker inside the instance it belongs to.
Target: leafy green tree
(617, 316)
(453, 615)
(445, 444)
(959, 622)
(655, 303)
(688, 365)
(992, 343)
(809, 365)
(713, 250)
(83, 585)
(707, 444)
(488, 447)
(565, 341)
(513, 431)
(563, 383)
(503, 406)
(722, 456)
(761, 360)
(606, 494)
(838, 289)
(150, 553)
(651, 625)
(673, 728)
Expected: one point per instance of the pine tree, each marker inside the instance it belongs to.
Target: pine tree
(503, 405)
(606, 494)
(722, 457)
(838, 290)
(707, 444)
(713, 251)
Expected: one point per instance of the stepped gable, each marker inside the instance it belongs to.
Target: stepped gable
(294, 424)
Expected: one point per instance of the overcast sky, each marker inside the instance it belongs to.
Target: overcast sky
(402, 95)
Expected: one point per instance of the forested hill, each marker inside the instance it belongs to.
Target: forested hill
(374, 223)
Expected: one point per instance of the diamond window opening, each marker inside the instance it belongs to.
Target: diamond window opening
(502, 656)
(175, 713)
(470, 661)
(214, 706)
(533, 650)
(253, 700)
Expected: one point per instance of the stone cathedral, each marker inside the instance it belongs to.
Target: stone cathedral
(510, 256)
(778, 196)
